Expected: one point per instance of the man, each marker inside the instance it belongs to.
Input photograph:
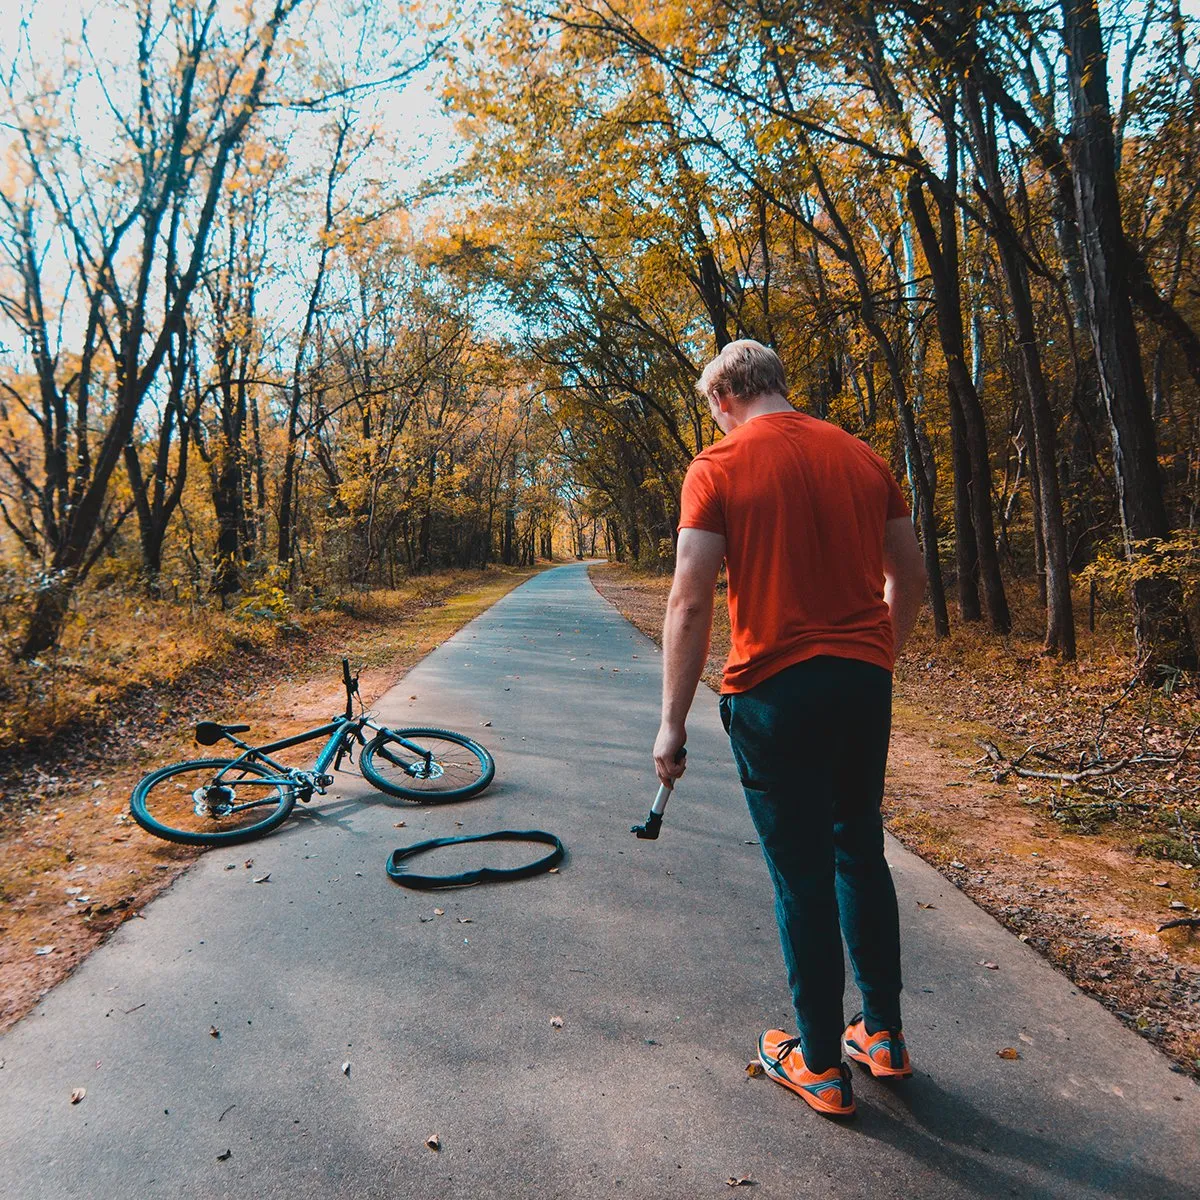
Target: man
(825, 582)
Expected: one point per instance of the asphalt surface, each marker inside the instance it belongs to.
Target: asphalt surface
(660, 959)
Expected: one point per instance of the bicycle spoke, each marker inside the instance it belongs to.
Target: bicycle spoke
(196, 800)
(426, 764)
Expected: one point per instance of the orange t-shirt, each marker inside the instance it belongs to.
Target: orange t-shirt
(802, 506)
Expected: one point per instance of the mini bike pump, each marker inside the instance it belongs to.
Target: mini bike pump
(653, 823)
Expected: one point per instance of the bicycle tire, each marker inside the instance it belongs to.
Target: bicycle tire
(153, 795)
(428, 790)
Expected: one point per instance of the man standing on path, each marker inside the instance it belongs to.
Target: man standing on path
(825, 582)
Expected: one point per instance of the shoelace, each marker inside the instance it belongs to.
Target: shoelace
(785, 1048)
(788, 1045)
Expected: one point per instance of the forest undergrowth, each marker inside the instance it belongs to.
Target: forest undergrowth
(121, 696)
(1063, 798)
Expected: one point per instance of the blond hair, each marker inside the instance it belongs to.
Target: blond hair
(744, 369)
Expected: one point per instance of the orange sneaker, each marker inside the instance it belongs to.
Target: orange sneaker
(829, 1092)
(884, 1053)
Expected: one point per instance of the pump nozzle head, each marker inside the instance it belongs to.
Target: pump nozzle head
(650, 829)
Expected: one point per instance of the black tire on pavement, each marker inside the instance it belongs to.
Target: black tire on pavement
(165, 803)
(458, 767)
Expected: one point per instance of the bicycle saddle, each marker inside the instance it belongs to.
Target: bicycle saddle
(208, 733)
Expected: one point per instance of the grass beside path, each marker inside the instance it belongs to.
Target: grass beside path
(130, 682)
(1085, 881)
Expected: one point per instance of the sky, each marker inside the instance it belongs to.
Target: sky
(421, 133)
(416, 139)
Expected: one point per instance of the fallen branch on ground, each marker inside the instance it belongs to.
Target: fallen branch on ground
(1002, 766)
(1188, 922)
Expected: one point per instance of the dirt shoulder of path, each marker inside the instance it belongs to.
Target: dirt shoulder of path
(1090, 899)
(74, 866)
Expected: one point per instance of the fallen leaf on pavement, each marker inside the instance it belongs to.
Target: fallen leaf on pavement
(754, 1069)
(1009, 1052)
(248, 863)
(78, 1094)
(920, 904)
(263, 878)
(439, 912)
(464, 920)
(991, 966)
(400, 824)
(345, 1068)
(222, 1157)
(485, 724)
(740, 1181)
(557, 1022)
(433, 1142)
(213, 1031)
(231, 866)
(552, 871)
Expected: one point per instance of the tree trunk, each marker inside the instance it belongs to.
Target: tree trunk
(922, 491)
(1040, 424)
(970, 437)
(1159, 615)
(229, 509)
(291, 463)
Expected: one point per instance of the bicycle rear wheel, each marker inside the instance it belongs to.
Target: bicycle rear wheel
(434, 766)
(211, 802)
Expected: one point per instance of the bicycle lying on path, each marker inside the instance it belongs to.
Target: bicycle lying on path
(219, 801)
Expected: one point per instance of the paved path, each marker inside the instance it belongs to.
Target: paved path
(660, 958)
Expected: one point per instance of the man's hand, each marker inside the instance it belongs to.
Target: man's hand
(669, 764)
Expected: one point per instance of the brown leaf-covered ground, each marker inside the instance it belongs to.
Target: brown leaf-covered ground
(126, 691)
(1086, 873)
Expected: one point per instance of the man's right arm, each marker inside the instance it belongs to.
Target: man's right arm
(686, 632)
(904, 578)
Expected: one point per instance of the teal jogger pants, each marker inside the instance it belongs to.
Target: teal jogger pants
(811, 747)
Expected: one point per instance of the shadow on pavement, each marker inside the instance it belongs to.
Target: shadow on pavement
(944, 1133)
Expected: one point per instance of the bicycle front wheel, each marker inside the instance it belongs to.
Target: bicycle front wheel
(427, 765)
(211, 802)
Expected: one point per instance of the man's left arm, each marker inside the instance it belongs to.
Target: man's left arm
(686, 632)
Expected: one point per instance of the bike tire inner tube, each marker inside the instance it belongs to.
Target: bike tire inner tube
(410, 879)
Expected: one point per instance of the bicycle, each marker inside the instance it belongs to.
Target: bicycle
(220, 801)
